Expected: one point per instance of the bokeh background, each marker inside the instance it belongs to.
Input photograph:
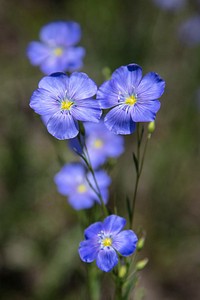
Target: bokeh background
(39, 231)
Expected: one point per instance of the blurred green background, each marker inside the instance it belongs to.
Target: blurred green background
(39, 232)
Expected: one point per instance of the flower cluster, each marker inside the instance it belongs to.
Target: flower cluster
(63, 102)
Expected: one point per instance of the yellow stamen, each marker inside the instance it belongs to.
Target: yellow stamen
(66, 104)
(82, 188)
(107, 242)
(98, 143)
(131, 100)
(58, 51)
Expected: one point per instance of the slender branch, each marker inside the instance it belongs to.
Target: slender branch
(139, 168)
(87, 160)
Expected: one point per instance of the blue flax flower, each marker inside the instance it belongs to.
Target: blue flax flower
(131, 97)
(63, 100)
(71, 182)
(57, 52)
(104, 240)
(101, 143)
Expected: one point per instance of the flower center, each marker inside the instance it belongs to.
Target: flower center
(98, 143)
(107, 242)
(65, 104)
(131, 100)
(58, 51)
(81, 188)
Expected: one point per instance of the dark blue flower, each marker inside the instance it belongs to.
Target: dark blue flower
(63, 100)
(131, 97)
(57, 52)
(71, 182)
(101, 143)
(104, 240)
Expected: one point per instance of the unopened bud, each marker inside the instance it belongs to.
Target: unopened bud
(140, 243)
(141, 264)
(122, 271)
(151, 127)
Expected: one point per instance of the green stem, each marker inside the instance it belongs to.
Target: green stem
(140, 163)
(86, 158)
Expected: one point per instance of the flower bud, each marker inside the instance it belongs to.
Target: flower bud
(151, 127)
(140, 243)
(141, 264)
(122, 271)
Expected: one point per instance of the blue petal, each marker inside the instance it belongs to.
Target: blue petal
(102, 179)
(81, 86)
(107, 95)
(75, 145)
(61, 33)
(88, 251)
(56, 84)
(107, 259)
(69, 177)
(53, 64)
(74, 56)
(127, 78)
(62, 126)
(37, 52)
(44, 103)
(80, 201)
(151, 87)
(93, 230)
(125, 242)
(119, 120)
(145, 111)
(86, 111)
(113, 224)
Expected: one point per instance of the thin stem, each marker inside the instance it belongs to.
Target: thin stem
(139, 168)
(86, 158)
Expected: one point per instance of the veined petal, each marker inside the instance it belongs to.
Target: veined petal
(119, 120)
(107, 95)
(125, 242)
(113, 224)
(37, 52)
(106, 259)
(88, 251)
(127, 78)
(43, 102)
(86, 113)
(62, 126)
(56, 83)
(93, 230)
(81, 86)
(151, 87)
(145, 111)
